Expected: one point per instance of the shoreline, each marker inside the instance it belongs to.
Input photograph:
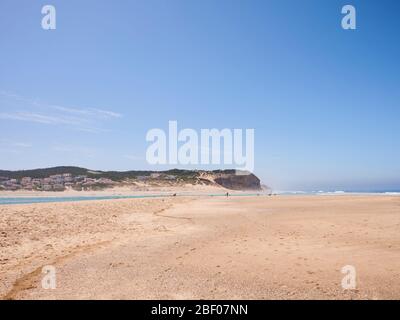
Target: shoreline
(26, 197)
(52, 197)
(67, 199)
(117, 191)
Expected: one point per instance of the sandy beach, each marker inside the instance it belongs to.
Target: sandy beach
(280, 247)
(184, 189)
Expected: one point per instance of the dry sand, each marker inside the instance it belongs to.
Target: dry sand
(138, 189)
(282, 247)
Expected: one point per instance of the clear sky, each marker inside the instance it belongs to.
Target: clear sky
(324, 102)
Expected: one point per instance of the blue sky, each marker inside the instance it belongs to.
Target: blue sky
(324, 102)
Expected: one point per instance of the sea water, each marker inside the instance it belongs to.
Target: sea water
(27, 200)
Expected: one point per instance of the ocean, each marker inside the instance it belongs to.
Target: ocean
(28, 200)
(339, 192)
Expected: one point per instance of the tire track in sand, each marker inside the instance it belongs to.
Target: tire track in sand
(29, 280)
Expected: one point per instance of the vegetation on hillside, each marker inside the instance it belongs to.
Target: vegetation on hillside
(113, 175)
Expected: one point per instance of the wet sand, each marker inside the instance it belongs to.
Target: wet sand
(282, 247)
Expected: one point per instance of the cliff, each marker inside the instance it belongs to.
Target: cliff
(232, 179)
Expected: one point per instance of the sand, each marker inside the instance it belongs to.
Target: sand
(140, 190)
(280, 247)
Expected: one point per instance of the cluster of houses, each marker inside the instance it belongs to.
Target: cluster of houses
(58, 182)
